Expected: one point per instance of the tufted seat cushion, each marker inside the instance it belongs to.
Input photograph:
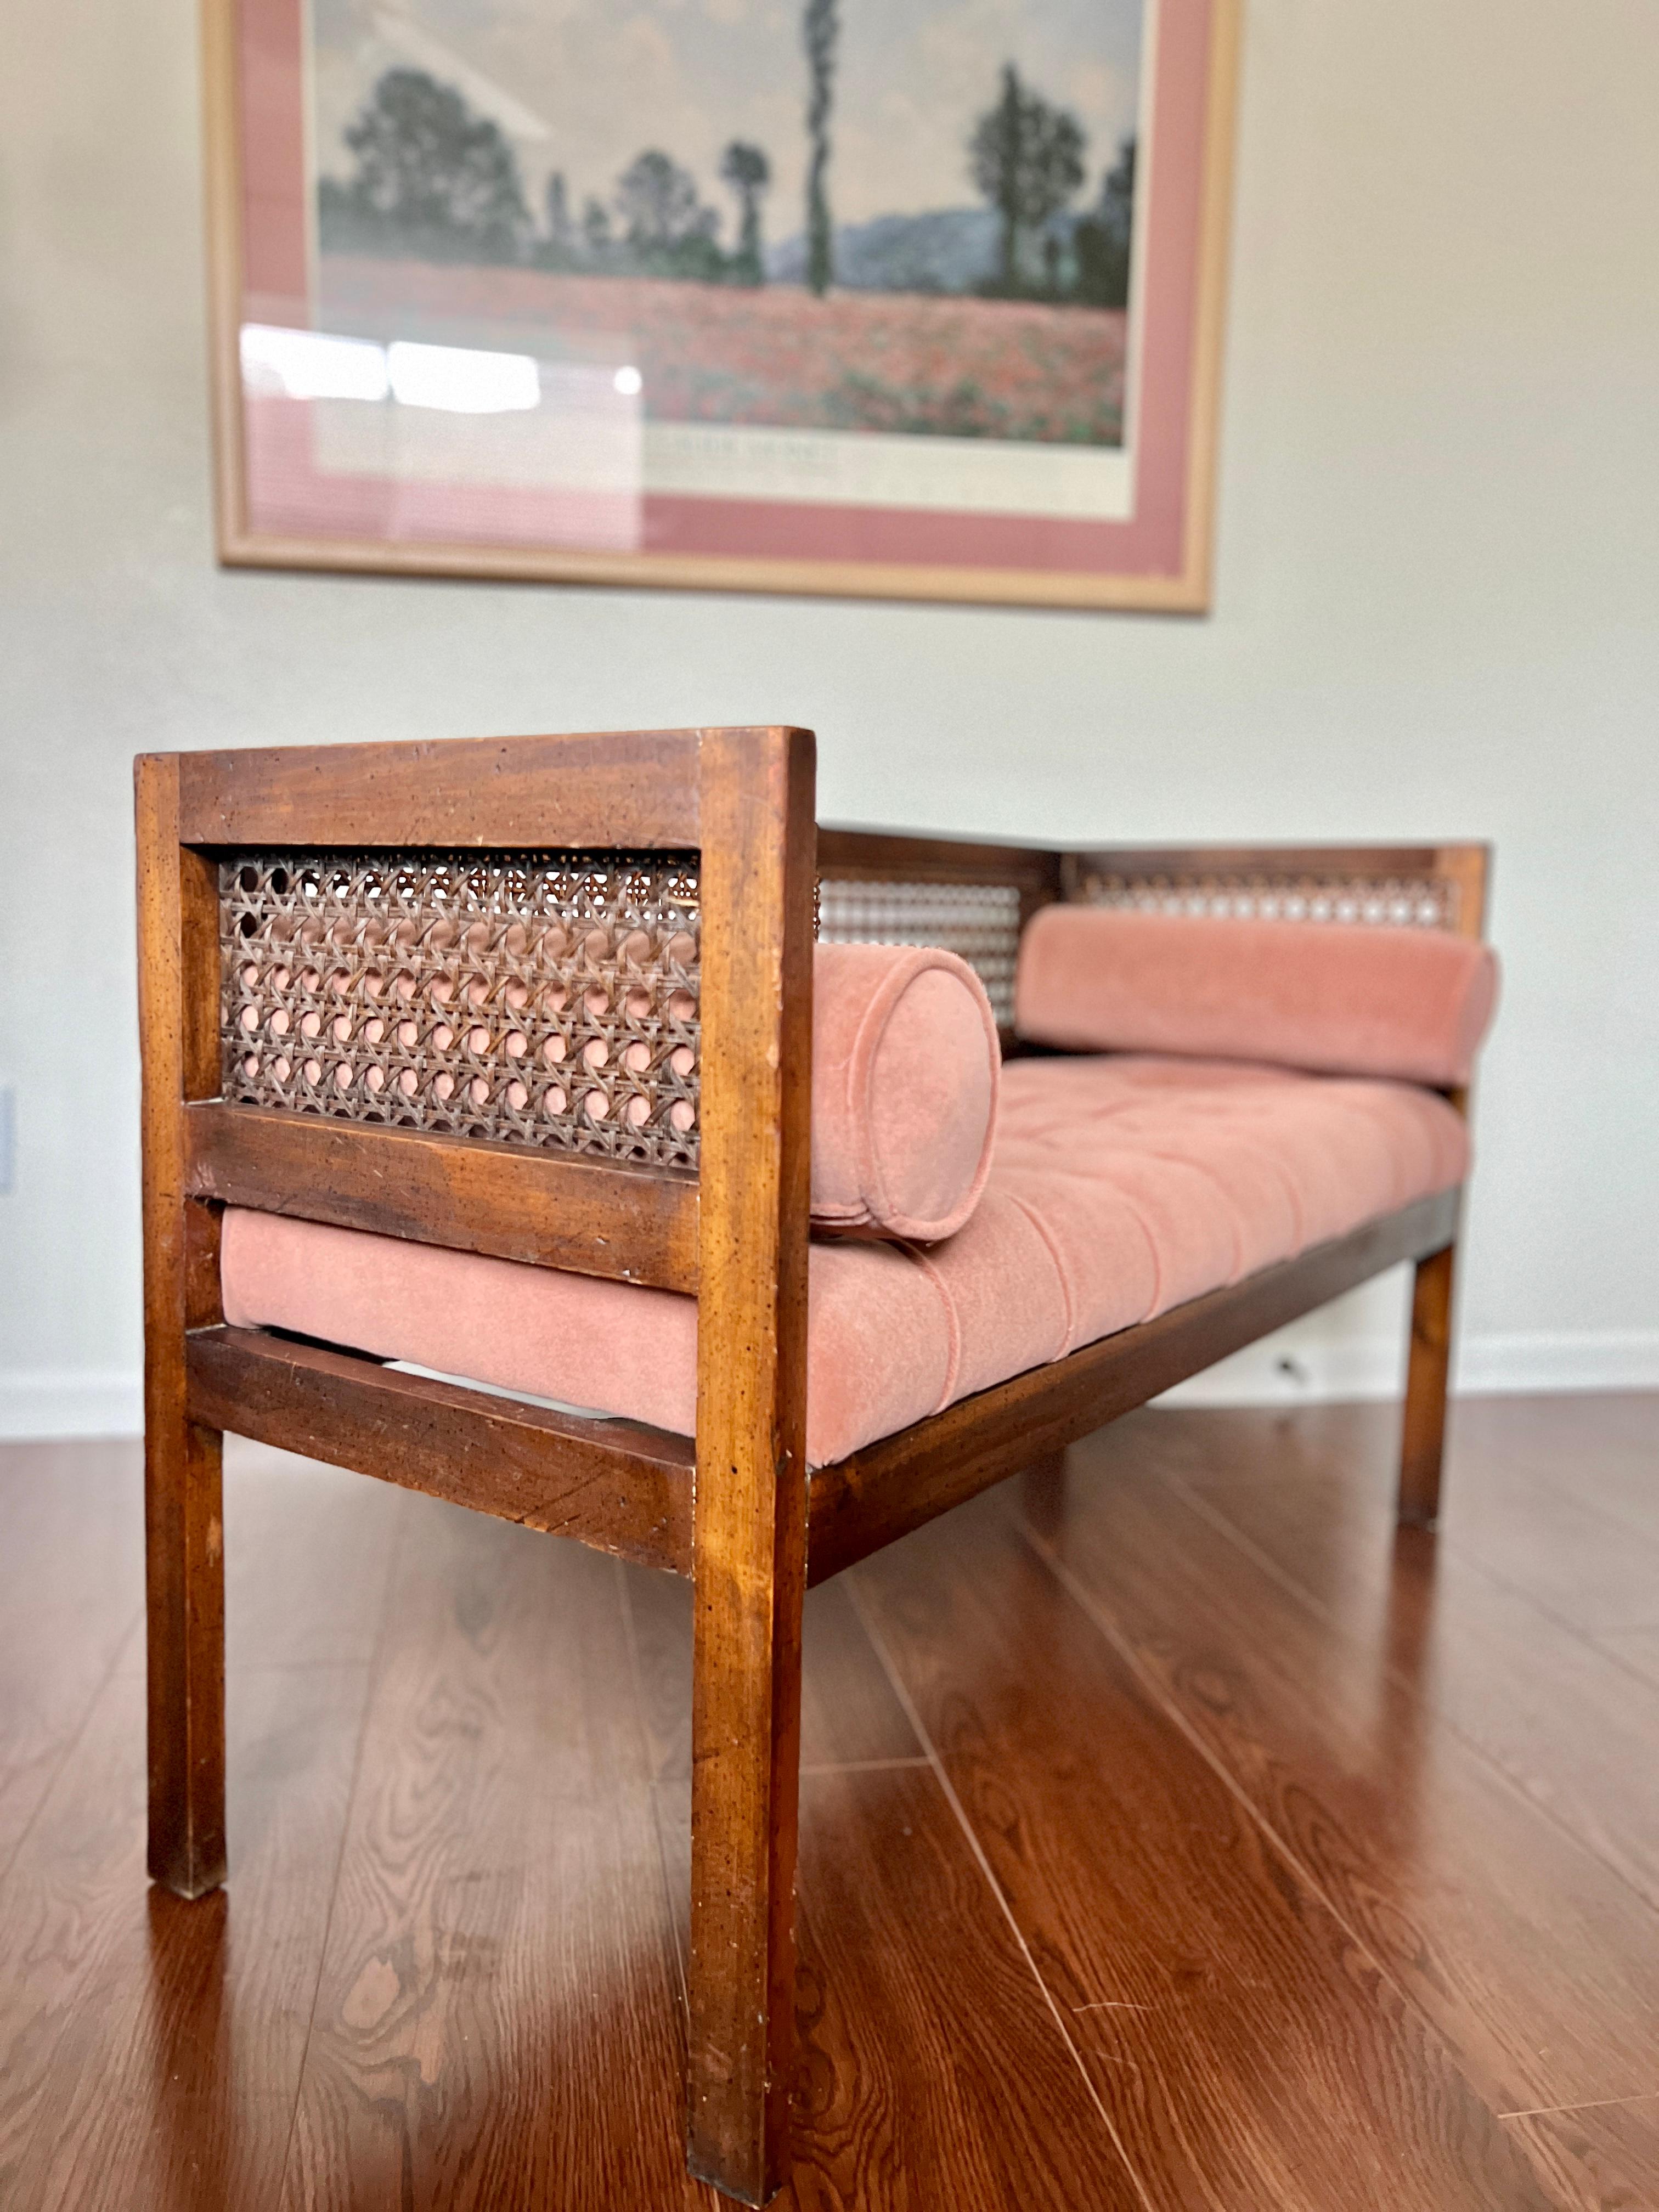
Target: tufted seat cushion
(1119, 1187)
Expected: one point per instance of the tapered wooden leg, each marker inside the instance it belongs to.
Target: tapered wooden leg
(184, 1533)
(1423, 1436)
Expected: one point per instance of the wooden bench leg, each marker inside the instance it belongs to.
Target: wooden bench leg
(749, 1540)
(746, 1735)
(185, 1590)
(184, 1521)
(1423, 1439)
(1043, 1493)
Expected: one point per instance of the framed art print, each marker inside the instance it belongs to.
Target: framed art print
(914, 299)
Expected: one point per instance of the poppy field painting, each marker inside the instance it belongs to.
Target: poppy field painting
(919, 298)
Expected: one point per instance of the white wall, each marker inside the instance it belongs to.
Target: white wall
(1434, 617)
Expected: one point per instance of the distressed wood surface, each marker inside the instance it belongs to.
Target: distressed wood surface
(849, 1715)
(634, 1225)
(612, 1485)
(615, 788)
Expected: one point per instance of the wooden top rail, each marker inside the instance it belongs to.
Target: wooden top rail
(1272, 859)
(882, 855)
(626, 787)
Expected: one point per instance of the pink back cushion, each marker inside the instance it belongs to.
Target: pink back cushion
(905, 1069)
(1338, 998)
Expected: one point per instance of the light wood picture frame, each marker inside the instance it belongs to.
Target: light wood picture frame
(428, 362)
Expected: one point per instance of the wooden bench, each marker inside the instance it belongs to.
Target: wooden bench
(733, 1511)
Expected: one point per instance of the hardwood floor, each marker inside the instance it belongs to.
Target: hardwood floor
(1175, 1837)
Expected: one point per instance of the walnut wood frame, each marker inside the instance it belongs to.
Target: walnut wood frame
(734, 1510)
(1186, 590)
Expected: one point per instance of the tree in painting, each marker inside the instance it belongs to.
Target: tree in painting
(595, 229)
(561, 231)
(747, 170)
(821, 28)
(431, 169)
(1102, 241)
(667, 229)
(1026, 157)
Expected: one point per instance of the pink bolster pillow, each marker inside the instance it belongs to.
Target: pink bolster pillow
(905, 1070)
(1344, 999)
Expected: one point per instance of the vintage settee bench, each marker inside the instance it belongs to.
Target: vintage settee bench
(502, 1059)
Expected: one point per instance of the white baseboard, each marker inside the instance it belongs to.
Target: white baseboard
(1286, 1370)
(1280, 1371)
(1291, 1373)
(1600, 1359)
(48, 1403)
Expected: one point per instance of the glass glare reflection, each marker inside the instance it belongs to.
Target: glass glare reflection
(401, 437)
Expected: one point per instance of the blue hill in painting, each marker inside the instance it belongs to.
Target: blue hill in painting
(947, 250)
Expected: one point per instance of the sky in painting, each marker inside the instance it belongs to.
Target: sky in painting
(581, 86)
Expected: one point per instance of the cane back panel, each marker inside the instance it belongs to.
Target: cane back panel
(546, 999)
(1425, 901)
(978, 921)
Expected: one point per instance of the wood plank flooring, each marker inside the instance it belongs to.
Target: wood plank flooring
(1176, 1837)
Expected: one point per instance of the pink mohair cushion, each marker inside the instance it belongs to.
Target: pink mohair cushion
(1119, 1188)
(1343, 998)
(905, 1062)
